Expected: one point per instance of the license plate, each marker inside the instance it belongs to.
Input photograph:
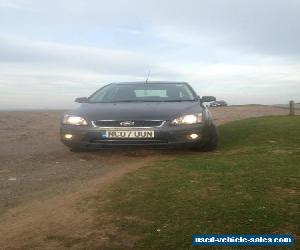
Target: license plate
(129, 134)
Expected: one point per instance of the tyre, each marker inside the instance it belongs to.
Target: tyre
(210, 139)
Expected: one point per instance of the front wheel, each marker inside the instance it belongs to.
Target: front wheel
(210, 139)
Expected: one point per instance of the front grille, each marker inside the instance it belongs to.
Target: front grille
(136, 123)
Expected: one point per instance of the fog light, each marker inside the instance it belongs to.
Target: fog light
(68, 136)
(193, 136)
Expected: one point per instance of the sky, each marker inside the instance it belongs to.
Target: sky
(52, 51)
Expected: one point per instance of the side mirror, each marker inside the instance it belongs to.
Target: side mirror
(208, 99)
(82, 100)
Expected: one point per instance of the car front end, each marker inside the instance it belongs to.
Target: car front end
(147, 133)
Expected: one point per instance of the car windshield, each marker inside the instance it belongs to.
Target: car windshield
(148, 92)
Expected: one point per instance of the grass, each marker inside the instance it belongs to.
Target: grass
(249, 186)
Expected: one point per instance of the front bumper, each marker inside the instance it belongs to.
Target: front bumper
(165, 136)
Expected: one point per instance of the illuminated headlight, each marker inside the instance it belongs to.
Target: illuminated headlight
(188, 119)
(74, 120)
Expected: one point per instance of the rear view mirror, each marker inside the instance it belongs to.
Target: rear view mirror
(208, 99)
(82, 100)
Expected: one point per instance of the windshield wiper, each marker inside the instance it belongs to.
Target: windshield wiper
(128, 101)
(179, 100)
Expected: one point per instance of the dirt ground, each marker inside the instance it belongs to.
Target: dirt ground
(42, 181)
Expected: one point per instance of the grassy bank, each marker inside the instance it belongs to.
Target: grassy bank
(250, 185)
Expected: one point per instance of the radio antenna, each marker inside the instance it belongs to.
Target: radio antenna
(148, 76)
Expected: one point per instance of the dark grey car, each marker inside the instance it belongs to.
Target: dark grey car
(148, 114)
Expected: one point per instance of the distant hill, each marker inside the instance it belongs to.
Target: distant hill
(297, 105)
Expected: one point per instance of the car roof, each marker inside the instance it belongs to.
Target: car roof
(150, 82)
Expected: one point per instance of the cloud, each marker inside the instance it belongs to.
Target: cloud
(15, 4)
(102, 60)
(242, 51)
(269, 26)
